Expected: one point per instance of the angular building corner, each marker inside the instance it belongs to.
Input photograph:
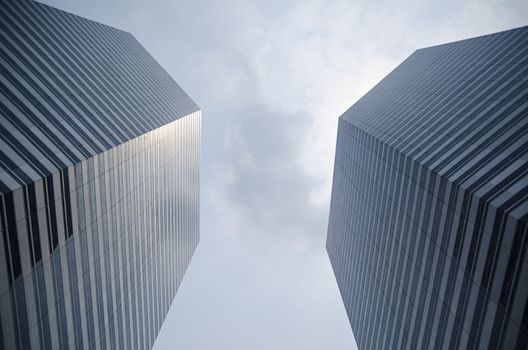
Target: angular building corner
(99, 184)
(427, 232)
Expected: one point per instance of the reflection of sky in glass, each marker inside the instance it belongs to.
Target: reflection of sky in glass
(123, 240)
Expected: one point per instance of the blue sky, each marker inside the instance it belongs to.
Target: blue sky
(272, 77)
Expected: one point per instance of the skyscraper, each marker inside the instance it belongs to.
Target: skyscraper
(99, 157)
(428, 232)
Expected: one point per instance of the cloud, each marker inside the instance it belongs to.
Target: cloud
(266, 183)
(318, 57)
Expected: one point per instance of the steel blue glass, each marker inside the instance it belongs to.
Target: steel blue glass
(427, 231)
(99, 184)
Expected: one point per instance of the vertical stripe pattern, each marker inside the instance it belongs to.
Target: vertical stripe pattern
(428, 229)
(71, 88)
(99, 184)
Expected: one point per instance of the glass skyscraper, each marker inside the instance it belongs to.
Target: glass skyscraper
(428, 230)
(99, 183)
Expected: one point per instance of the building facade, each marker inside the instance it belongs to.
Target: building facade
(427, 232)
(99, 182)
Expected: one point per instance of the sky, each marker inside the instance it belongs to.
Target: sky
(272, 78)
